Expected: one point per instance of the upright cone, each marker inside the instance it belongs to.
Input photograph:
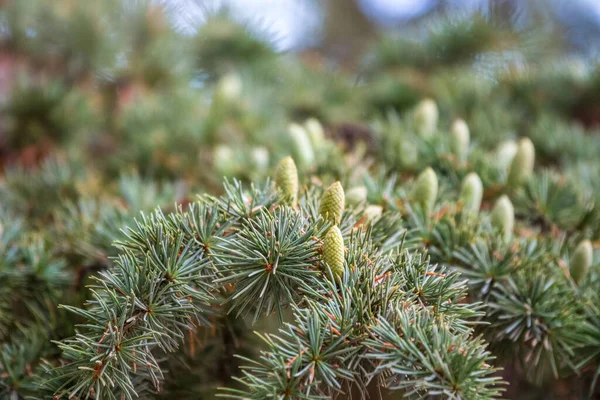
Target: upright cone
(302, 148)
(581, 261)
(373, 212)
(459, 140)
(505, 153)
(356, 195)
(332, 203)
(315, 131)
(224, 161)
(471, 193)
(259, 157)
(521, 166)
(229, 87)
(426, 117)
(286, 180)
(426, 189)
(333, 251)
(503, 217)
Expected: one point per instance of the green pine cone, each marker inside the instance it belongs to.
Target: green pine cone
(581, 260)
(229, 87)
(224, 160)
(286, 180)
(459, 140)
(332, 203)
(505, 153)
(426, 118)
(471, 193)
(426, 189)
(315, 131)
(521, 166)
(373, 212)
(259, 157)
(503, 217)
(302, 148)
(333, 251)
(356, 195)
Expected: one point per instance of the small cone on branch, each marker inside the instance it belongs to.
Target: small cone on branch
(426, 189)
(581, 260)
(332, 203)
(408, 153)
(471, 193)
(459, 140)
(503, 217)
(229, 87)
(505, 153)
(260, 158)
(286, 180)
(373, 212)
(333, 251)
(356, 195)
(426, 117)
(315, 131)
(521, 167)
(302, 148)
(224, 160)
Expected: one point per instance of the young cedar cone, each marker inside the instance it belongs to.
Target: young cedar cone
(521, 166)
(471, 193)
(505, 153)
(259, 157)
(426, 118)
(286, 180)
(503, 217)
(408, 153)
(426, 189)
(356, 195)
(223, 160)
(315, 132)
(373, 212)
(581, 260)
(459, 139)
(302, 148)
(229, 88)
(333, 251)
(332, 203)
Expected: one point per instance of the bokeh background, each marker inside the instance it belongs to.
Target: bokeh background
(111, 108)
(298, 24)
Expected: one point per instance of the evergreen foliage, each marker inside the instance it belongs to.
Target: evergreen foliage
(406, 226)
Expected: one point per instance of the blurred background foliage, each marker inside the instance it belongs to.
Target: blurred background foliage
(114, 107)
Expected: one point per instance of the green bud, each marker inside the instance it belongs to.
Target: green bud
(503, 217)
(333, 251)
(260, 158)
(521, 166)
(229, 87)
(332, 203)
(286, 180)
(356, 195)
(426, 117)
(505, 153)
(426, 189)
(302, 148)
(315, 132)
(459, 140)
(224, 160)
(373, 212)
(471, 193)
(581, 260)
(408, 152)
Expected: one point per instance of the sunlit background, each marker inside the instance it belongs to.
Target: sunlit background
(293, 24)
